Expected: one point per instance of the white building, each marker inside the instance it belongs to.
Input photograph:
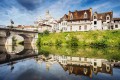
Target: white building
(115, 23)
(84, 20)
(77, 20)
(49, 23)
(102, 21)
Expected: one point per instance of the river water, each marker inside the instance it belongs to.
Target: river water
(59, 63)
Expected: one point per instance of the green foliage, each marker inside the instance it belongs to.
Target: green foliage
(39, 40)
(73, 41)
(46, 32)
(90, 38)
(101, 43)
(58, 42)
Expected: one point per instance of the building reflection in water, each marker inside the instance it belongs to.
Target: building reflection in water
(79, 65)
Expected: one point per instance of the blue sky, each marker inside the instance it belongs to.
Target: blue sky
(25, 12)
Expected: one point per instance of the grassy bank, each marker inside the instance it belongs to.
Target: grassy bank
(89, 38)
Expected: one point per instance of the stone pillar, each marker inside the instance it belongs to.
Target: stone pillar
(3, 41)
(27, 46)
(34, 40)
(27, 40)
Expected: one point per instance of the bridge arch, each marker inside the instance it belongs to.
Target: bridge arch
(30, 37)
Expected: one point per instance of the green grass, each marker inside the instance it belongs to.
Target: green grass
(89, 38)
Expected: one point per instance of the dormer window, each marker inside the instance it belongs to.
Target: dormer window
(94, 17)
(108, 17)
(85, 15)
(71, 17)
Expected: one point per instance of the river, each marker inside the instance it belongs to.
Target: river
(59, 63)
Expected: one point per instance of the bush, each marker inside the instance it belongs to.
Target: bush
(101, 43)
(58, 42)
(39, 41)
(50, 43)
(46, 32)
(73, 41)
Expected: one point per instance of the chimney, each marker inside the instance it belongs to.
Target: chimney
(90, 11)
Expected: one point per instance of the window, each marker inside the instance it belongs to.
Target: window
(107, 18)
(85, 59)
(94, 17)
(116, 26)
(85, 15)
(85, 27)
(70, 28)
(79, 27)
(95, 64)
(95, 22)
(79, 58)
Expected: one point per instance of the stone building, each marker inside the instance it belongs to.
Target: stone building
(77, 20)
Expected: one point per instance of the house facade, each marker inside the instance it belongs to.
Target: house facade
(102, 21)
(84, 20)
(77, 20)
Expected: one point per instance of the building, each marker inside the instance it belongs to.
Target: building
(84, 20)
(81, 65)
(77, 20)
(116, 24)
(48, 23)
(102, 21)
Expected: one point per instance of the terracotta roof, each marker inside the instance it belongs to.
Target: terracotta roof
(116, 19)
(78, 15)
(102, 16)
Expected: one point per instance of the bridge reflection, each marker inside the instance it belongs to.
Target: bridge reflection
(12, 53)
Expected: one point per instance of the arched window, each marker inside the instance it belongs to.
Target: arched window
(85, 15)
(108, 17)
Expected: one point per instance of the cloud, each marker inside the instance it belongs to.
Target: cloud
(25, 12)
(30, 4)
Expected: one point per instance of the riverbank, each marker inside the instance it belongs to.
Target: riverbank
(88, 38)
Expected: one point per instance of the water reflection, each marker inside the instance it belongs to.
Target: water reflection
(62, 64)
(11, 53)
(106, 53)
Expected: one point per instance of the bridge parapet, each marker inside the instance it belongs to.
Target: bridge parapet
(30, 37)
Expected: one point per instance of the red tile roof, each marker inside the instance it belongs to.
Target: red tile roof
(78, 15)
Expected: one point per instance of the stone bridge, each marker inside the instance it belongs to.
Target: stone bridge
(6, 35)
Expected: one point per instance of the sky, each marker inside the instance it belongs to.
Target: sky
(25, 12)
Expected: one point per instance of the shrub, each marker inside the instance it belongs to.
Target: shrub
(50, 43)
(101, 43)
(73, 41)
(58, 42)
(46, 32)
(39, 41)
